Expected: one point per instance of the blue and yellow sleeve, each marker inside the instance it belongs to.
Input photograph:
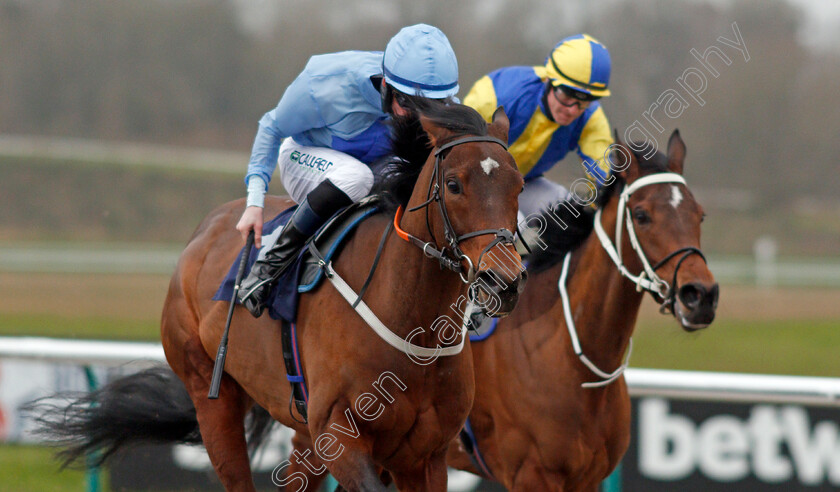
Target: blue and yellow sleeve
(594, 143)
(482, 98)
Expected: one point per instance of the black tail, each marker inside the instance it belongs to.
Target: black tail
(149, 406)
(257, 428)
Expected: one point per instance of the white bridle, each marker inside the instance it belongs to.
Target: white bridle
(647, 280)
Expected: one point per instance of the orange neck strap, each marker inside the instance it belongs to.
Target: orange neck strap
(401, 233)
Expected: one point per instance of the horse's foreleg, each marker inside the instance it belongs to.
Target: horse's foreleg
(221, 421)
(355, 471)
(384, 476)
(431, 477)
(309, 469)
(531, 476)
(305, 467)
(457, 458)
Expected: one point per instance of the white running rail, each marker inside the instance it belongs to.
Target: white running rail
(698, 385)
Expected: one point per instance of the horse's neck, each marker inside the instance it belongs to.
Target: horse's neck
(604, 305)
(419, 286)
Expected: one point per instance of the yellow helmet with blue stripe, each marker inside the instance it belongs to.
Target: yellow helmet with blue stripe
(581, 63)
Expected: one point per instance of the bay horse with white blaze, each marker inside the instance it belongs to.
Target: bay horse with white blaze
(551, 410)
(465, 202)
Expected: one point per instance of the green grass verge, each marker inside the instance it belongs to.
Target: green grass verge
(795, 347)
(26, 468)
(85, 327)
(108, 203)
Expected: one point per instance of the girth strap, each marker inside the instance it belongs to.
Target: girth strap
(294, 370)
(468, 440)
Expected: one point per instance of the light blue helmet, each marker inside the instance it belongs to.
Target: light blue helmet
(420, 61)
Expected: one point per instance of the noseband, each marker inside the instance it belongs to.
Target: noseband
(647, 279)
(453, 260)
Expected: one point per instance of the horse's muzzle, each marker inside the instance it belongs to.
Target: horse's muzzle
(696, 305)
(497, 294)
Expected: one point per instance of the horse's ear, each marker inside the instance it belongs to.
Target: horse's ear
(436, 133)
(500, 126)
(623, 160)
(676, 152)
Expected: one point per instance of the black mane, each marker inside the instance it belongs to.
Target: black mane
(567, 225)
(412, 147)
(575, 222)
(658, 162)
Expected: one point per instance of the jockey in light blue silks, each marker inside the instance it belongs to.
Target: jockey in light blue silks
(553, 109)
(334, 118)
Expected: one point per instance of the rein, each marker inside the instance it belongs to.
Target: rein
(646, 280)
(452, 238)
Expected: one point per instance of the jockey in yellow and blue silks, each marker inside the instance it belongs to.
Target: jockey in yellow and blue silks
(553, 109)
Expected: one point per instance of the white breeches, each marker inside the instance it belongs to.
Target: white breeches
(538, 194)
(302, 168)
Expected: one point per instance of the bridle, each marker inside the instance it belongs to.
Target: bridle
(646, 280)
(427, 354)
(451, 256)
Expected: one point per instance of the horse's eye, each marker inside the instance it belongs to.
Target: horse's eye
(641, 217)
(453, 186)
(702, 218)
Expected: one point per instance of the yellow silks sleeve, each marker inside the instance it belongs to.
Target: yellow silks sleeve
(530, 146)
(595, 139)
(482, 98)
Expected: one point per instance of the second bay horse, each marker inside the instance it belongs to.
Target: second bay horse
(551, 410)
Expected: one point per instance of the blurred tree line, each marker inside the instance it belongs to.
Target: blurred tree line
(202, 72)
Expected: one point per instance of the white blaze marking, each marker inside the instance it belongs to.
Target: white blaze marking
(488, 165)
(676, 196)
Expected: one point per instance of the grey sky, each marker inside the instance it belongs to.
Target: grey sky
(820, 28)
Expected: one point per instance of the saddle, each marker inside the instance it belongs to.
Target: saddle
(328, 241)
(307, 272)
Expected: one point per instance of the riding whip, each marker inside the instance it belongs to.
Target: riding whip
(219, 365)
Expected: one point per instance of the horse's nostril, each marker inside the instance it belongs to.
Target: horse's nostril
(712, 296)
(520, 286)
(691, 295)
(696, 295)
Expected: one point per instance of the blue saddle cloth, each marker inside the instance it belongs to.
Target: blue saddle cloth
(283, 298)
(487, 328)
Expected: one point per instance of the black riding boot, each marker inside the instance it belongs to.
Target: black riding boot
(319, 205)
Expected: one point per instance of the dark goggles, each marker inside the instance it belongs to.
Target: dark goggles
(576, 94)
